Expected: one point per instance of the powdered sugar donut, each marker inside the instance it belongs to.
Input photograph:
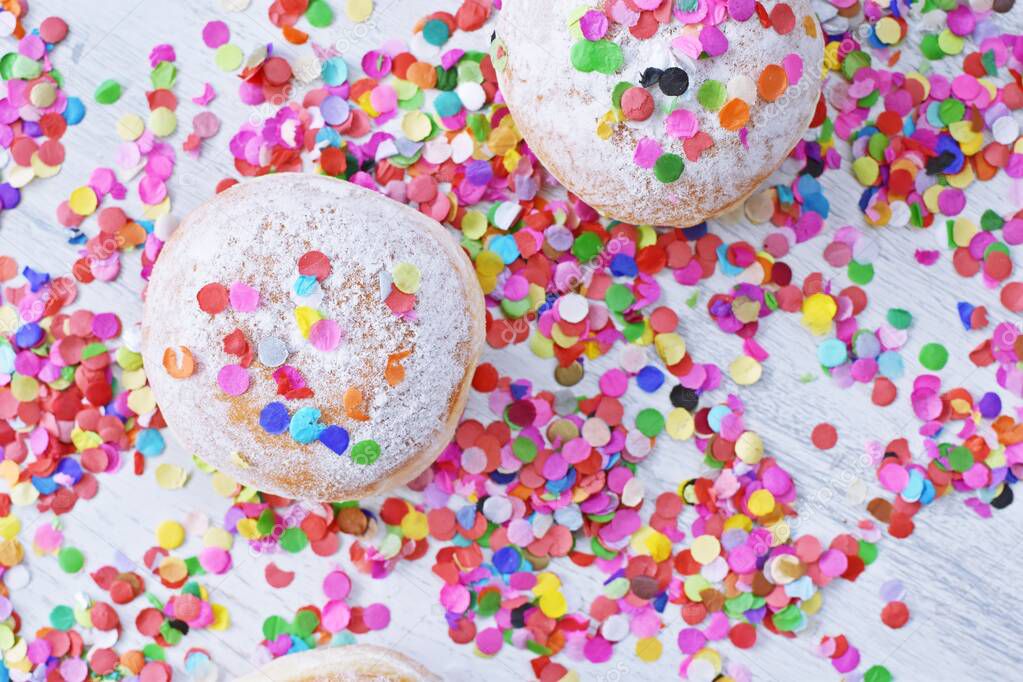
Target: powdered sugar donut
(662, 112)
(353, 663)
(312, 338)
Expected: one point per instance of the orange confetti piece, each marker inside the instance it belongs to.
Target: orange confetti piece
(734, 115)
(394, 373)
(294, 36)
(179, 370)
(352, 402)
(772, 82)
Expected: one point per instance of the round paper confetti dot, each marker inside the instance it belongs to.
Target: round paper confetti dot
(108, 92)
(70, 559)
(933, 356)
(824, 436)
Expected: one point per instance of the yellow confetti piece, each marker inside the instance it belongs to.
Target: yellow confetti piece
(813, 604)
(163, 121)
(133, 379)
(416, 125)
(171, 476)
(85, 440)
(761, 502)
(414, 525)
(9, 471)
(6, 637)
(358, 11)
(83, 201)
(546, 582)
(24, 388)
(170, 535)
(705, 549)
(306, 317)
(228, 57)
(247, 529)
(154, 211)
(223, 485)
(130, 127)
(649, 649)
(670, 347)
(24, 494)
(541, 346)
(680, 424)
(818, 311)
(40, 169)
(142, 400)
(694, 586)
(474, 224)
(489, 263)
(745, 370)
(553, 604)
(406, 277)
(218, 537)
(221, 617)
(10, 525)
(657, 545)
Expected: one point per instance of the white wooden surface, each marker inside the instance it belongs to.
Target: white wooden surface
(962, 572)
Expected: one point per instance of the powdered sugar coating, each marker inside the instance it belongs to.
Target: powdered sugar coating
(254, 233)
(557, 109)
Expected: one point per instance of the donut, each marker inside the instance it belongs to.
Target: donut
(352, 663)
(312, 338)
(660, 112)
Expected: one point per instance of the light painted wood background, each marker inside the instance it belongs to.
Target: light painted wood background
(963, 573)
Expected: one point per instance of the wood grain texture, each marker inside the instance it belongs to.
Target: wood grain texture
(962, 572)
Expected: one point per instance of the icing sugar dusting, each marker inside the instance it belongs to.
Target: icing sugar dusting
(255, 233)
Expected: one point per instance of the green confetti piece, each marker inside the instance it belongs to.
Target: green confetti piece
(265, 522)
(951, 110)
(365, 452)
(868, 552)
(711, 94)
(489, 604)
(163, 76)
(294, 540)
(305, 623)
(228, 57)
(26, 69)
(274, 627)
(108, 92)
(154, 652)
(602, 56)
(319, 14)
(877, 673)
(70, 559)
(929, 47)
(669, 167)
(990, 221)
(616, 94)
(853, 62)
(933, 356)
(619, 297)
(899, 318)
(586, 246)
(960, 459)
(650, 422)
(788, 619)
(524, 449)
(62, 618)
(860, 273)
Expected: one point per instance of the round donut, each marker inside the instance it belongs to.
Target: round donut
(312, 338)
(660, 112)
(353, 663)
